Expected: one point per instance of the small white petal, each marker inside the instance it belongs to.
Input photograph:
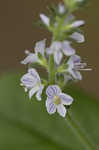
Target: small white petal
(31, 58)
(33, 91)
(61, 110)
(40, 47)
(58, 57)
(51, 108)
(78, 37)
(66, 99)
(67, 49)
(45, 19)
(77, 23)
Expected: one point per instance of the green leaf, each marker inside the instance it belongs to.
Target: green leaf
(26, 124)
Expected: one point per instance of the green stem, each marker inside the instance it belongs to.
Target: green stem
(51, 70)
(79, 133)
(60, 25)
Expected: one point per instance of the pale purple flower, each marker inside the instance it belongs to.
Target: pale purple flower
(56, 100)
(69, 19)
(61, 8)
(31, 81)
(77, 23)
(58, 49)
(45, 19)
(78, 37)
(32, 57)
(75, 66)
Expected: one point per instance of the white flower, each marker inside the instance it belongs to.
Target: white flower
(31, 81)
(78, 37)
(60, 48)
(56, 100)
(32, 57)
(45, 19)
(75, 66)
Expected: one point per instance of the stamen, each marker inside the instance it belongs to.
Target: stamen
(57, 100)
(86, 69)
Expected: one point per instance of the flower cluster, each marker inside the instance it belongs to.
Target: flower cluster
(59, 59)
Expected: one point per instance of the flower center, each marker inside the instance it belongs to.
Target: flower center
(57, 100)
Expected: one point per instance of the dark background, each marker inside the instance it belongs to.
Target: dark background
(17, 34)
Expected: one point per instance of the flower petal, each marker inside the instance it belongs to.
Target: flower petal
(33, 91)
(40, 47)
(78, 37)
(75, 59)
(45, 19)
(67, 78)
(67, 49)
(61, 110)
(34, 73)
(58, 57)
(49, 51)
(78, 75)
(28, 81)
(38, 95)
(77, 23)
(53, 90)
(56, 46)
(61, 8)
(31, 58)
(69, 19)
(51, 108)
(66, 99)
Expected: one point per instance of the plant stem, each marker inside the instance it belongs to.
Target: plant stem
(79, 133)
(51, 70)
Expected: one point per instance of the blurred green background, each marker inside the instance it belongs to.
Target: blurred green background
(17, 34)
(25, 124)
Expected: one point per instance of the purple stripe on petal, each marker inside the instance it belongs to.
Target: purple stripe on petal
(49, 92)
(51, 108)
(27, 80)
(34, 73)
(53, 90)
(67, 49)
(66, 99)
(61, 110)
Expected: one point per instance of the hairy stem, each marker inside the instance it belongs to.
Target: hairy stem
(79, 133)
